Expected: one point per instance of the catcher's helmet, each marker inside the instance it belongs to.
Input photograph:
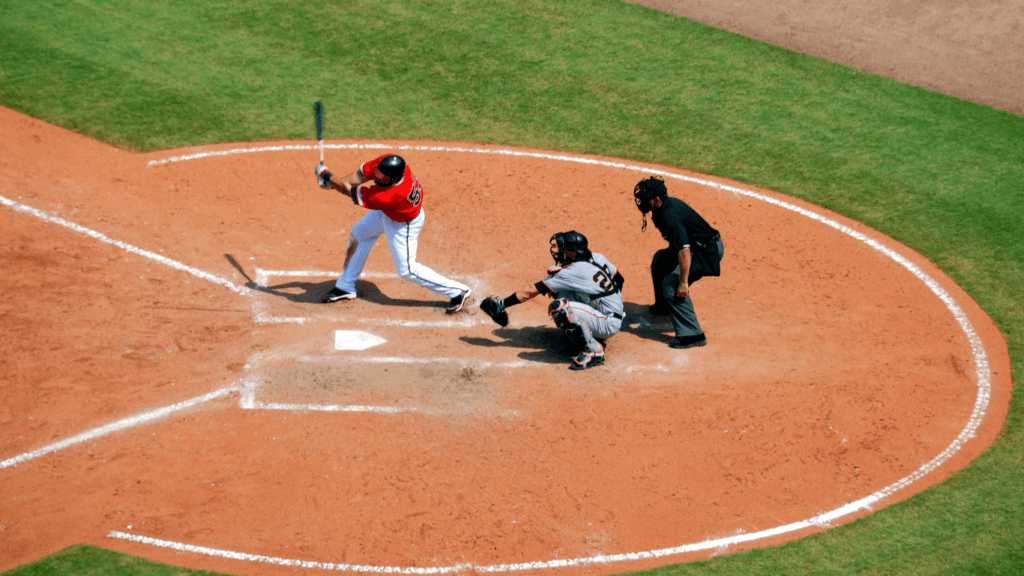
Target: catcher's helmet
(647, 190)
(391, 168)
(571, 241)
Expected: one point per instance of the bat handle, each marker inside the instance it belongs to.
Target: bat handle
(321, 151)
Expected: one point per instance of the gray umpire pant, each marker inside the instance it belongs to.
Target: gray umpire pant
(702, 263)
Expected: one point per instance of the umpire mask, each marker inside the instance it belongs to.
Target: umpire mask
(647, 190)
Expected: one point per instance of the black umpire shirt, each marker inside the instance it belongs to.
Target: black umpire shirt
(681, 226)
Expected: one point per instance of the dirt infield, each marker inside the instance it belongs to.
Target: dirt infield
(154, 404)
(971, 50)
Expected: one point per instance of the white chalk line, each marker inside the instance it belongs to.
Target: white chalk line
(19, 207)
(330, 408)
(254, 381)
(356, 408)
(125, 423)
(251, 384)
(824, 520)
(461, 362)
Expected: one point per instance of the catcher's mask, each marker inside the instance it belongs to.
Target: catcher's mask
(390, 170)
(568, 247)
(646, 190)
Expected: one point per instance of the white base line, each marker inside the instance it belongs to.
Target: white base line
(127, 247)
(117, 426)
(982, 373)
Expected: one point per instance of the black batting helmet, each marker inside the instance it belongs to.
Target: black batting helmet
(391, 168)
(571, 241)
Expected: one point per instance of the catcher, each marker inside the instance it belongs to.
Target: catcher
(587, 292)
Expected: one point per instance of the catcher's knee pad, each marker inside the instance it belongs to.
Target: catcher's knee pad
(559, 312)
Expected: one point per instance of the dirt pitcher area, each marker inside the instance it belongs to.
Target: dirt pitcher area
(173, 388)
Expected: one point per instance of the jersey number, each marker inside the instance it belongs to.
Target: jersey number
(415, 194)
(603, 281)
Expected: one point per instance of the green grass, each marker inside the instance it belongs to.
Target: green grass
(942, 175)
(85, 560)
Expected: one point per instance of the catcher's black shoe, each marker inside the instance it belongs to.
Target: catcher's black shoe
(458, 302)
(337, 294)
(586, 359)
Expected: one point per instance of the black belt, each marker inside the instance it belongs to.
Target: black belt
(619, 316)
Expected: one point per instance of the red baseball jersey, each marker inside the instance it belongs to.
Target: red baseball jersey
(401, 202)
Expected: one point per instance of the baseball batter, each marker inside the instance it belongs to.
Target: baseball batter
(587, 292)
(387, 187)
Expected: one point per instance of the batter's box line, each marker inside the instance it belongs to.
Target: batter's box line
(251, 384)
(260, 314)
(481, 364)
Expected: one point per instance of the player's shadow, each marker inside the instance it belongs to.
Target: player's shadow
(548, 345)
(640, 323)
(552, 346)
(311, 293)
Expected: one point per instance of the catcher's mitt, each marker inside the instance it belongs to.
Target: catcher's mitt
(494, 308)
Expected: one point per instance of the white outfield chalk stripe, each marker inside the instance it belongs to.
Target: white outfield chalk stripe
(119, 425)
(215, 153)
(280, 561)
(122, 245)
(982, 373)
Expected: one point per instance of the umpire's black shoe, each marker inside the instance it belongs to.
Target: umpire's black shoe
(659, 309)
(458, 302)
(688, 342)
(586, 359)
(337, 294)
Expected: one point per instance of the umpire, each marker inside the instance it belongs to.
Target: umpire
(694, 251)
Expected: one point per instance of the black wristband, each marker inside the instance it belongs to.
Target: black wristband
(511, 300)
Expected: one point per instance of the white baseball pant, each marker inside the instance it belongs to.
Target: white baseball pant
(402, 240)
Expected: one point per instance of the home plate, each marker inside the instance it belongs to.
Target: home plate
(355, 340)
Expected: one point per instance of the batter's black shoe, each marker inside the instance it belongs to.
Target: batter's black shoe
(458, 302)
(688, 342)
(337, 294)
(586, 359)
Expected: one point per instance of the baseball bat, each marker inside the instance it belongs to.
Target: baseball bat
(318, 113)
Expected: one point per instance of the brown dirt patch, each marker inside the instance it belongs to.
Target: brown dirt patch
(831, 374)
(971, 50)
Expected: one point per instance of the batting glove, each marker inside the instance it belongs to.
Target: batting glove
(323, 176)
